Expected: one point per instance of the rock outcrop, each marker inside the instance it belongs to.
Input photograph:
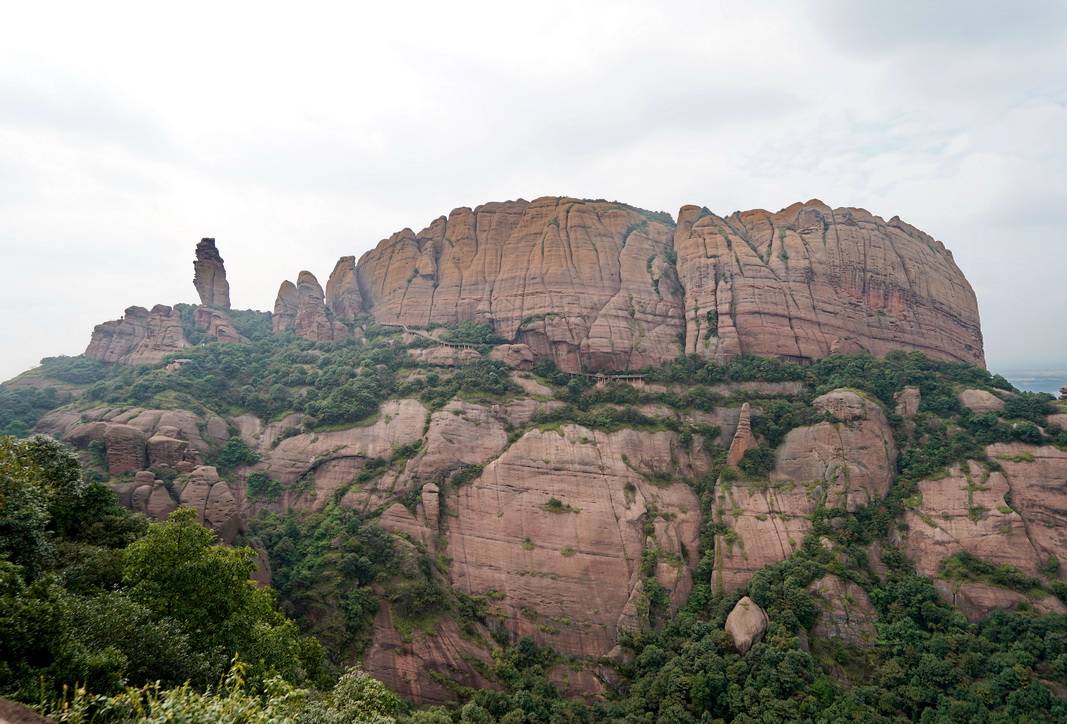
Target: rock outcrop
(1012, 517)
(980, 401)
(588, 283)
(846, 612)
(216, 325)
(209, 276)
(556, 529)
(746, 624)
(342, 290)
(743, 440)
(845, 462)
(810, 281)
(140, 337)
(301, 308)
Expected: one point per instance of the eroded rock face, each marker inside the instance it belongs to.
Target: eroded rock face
(126, 450)
(212, 499)
(966, 511)
(330, 460)
(285, 305)
(556, 527)
(587, 283)
(81, 427)
(408, 666)
(342, 290)
(217, 325)
(847, 613)
(209, 276)
(743, 440)
(519, 356)
(140, 337)
(1014, 517)
(302, 309)
(810, 281)
(846, 462)
(746, 624)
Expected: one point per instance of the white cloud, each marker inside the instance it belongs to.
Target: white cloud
(295, 134)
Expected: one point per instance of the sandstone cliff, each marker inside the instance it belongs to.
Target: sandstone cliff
(140, 337)
(585, 282)
(809, 281)
(342, 290)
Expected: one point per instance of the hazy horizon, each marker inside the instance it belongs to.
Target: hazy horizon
(127, 134)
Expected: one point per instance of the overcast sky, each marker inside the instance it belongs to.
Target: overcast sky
(298, 133)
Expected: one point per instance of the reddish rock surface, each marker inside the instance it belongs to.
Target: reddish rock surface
(140, 337)
(216, 325)
(846, 611)
(209, 276)
(415, 666)
(809, 281)
(846, 463)
(969, 510)
(743, 440)
(80, 427)
(519, 356)
(126, 450)
(301, 308)
(568, 573)
(342, 290)
(586, 283)
(445, 356)
(981, 401)
(746, 624)
(212, 499)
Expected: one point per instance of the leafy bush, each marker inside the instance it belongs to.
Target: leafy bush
(235, 453)
(757, 462)
(473, 333)
(75, 370)
(22, 407)
(263, 487)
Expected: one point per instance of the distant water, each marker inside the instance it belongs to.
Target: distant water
(1050, 382)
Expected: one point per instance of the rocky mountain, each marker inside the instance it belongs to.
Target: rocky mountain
(443, 467)
(599, 285)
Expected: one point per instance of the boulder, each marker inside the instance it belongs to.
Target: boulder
(746, 624)
(981, 401)
(212, 499)
(209, 276)
(166, 451)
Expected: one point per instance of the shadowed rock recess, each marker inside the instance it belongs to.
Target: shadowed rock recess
(431, 488)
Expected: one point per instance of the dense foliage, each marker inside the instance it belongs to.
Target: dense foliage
(92, 594)
(160, 622)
